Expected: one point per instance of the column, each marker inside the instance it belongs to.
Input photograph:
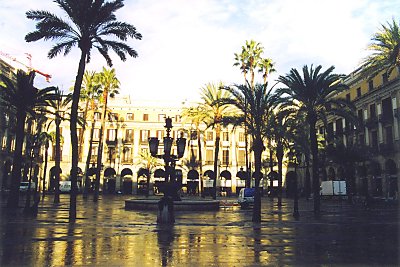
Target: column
(366, 129)
(380, 129)
(396, 119)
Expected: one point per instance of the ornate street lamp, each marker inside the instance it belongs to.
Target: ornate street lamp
(171, 186)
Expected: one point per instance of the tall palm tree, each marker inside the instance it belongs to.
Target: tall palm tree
(92, 95)
(257, 105)
(109, 85)
(45, 139)
(25, 100)
(89, 24)
(386, 51)
(214, 113)
(312, 95)
(196, 116)
(89, 89)
(60, 111)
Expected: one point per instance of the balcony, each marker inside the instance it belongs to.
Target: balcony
(386, 149)
(127, 140)
(396, 112)
(111, 142)
(371, 122)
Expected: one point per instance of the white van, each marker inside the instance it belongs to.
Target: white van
(23, 186)
(246, 197)
(65, 186)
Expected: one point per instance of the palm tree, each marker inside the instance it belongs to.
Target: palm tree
(25, 100)
(214, 113)
(312, 96)
(249, 59)
(109, 85)
(45, 139)
(88, 90)
(90, 23)
(196, 116)
(149, 163)
(92, 96)
(60, 108)
(257, 104)
(386, 51)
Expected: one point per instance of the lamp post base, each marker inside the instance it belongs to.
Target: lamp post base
(166, 211)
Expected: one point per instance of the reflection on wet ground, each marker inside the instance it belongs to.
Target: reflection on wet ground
(105, 234)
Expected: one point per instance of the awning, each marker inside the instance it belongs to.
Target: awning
(91, 171)
(210, 174)
(193, 175)
(226, 174)
(143, 172)
(260, 175)
(242, 175)
(109, 172)
(126, 172)
(159, 173)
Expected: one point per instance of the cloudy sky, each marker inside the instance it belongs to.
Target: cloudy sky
(188, 43)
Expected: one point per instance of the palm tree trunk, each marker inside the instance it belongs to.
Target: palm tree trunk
(57, 162)
(82, 132)
(279, 156)
(100, 148)
(89, 156)
(257, 170)
(216, 152)
(200, 162)
(307, 185)
(13, 198)
(74, 138)
(46, 156)
(315, 174)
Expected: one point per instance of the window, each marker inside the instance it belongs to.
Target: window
(225, 136)
(112, 117)
(129, 135)
(358, 91)
(225, 157)
(389, 135)
(371, 85)
(96, 134)
(241, 158)
(374, 139)
(385, 78)
(126, 154)
(193, 135)
(130, 117)
(97, 116)
(144, 136)
(161, 117)
(111, 134)
(145, 117)
(339, 126)
(160, 134)
(178, 118)
(372, 111)
(209, 156)
(348, 97)
(241, 137)
(210, 136)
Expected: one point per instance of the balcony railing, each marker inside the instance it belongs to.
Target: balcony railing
(386, 118)
(371, 122)
(386, 149)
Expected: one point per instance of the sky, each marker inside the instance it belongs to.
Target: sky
(189, 43)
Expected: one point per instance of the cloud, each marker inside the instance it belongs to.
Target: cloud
(187, 44)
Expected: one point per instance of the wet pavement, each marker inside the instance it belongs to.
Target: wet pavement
(105, 234)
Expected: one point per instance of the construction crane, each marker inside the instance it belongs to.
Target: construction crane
(30, 68)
